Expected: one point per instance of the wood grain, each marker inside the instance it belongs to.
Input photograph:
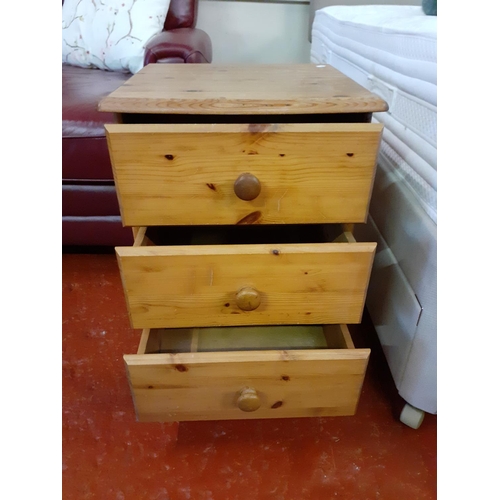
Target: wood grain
(197, 285)
(288, 383)
(245, 89)
(185, 174)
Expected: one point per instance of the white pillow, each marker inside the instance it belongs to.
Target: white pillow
(110, 34)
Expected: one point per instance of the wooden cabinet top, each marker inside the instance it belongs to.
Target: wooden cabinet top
(210, 89)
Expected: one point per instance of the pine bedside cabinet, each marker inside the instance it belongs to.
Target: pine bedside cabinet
(241, 184)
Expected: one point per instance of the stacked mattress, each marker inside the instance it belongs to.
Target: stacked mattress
(392, 51)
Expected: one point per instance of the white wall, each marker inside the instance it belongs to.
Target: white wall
(253, 33)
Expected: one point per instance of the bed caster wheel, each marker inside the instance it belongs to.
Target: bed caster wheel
(411, 416)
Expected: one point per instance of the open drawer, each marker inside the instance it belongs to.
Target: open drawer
(246, 372)
(276, 173)
(297, 277)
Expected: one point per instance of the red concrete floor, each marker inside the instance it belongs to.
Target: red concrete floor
(108, 455)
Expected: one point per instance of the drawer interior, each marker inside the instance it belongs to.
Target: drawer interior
(138, 118)
(244, 234)
(246, 338)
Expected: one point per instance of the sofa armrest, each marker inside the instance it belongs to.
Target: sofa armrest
(189, 45)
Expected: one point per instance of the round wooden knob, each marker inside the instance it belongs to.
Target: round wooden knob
(247, 187)
(248, 299)
(248, 400)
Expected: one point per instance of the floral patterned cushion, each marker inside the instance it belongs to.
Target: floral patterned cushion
(110, 34)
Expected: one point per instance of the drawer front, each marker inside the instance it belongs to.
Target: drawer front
(262, 384)
(243, 174)
(222, 285)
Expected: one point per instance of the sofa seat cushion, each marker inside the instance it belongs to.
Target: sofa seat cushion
(82, 90)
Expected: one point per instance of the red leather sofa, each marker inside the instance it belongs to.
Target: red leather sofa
(91, 216)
